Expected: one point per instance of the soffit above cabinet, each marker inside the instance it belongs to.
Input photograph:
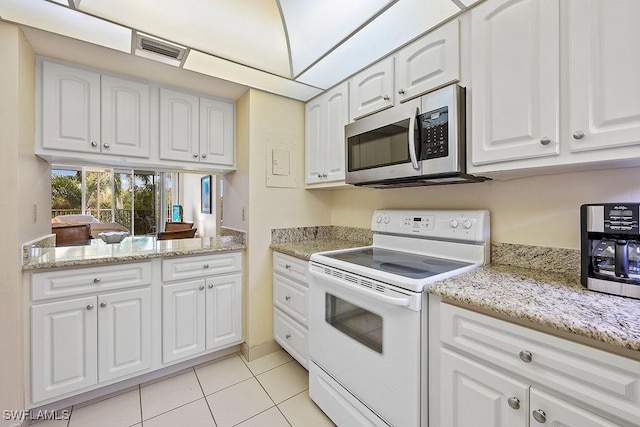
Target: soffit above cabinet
(289, 47)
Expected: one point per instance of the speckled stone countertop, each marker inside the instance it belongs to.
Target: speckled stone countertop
(304, 249)
(555, 300)
(130, 249)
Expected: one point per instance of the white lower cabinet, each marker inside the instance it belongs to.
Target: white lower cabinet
(488, 372)
(83, 341)
(290, 291)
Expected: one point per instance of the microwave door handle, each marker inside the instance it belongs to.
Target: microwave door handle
(412, 141)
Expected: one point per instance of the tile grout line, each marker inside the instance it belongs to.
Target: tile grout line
(205, 397)
(140, 398)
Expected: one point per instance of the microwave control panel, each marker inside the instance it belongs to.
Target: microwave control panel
(434, 133)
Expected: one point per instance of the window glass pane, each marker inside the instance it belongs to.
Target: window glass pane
(145, 206)
(66, 192)
(356, 322)
(99, 194)
(123, 195)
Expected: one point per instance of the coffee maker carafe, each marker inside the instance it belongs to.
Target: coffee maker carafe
(610, 248)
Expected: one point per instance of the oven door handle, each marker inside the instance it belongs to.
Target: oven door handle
(401, 302)
(411, 139)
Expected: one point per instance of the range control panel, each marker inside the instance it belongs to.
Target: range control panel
(447, 224)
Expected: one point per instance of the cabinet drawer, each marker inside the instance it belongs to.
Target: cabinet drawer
(288, 266)
(291, 336)
(607, 381)
(290, 297)
(199, 266)
(79, 281)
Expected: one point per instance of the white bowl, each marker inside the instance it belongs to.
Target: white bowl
(113, 236)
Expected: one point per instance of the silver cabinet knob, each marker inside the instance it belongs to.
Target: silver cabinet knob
(287, 266)
(201, 288)
(204, 156)
(287, 336)
(386, 97)
(526, 356)
(287, 298)
(195, 155)
(106, 145)
(97, 280)
(211, 286)
(401, 92)
(514, 402)
(578, 134)
(545, 141)
(103, 304)
(539, 416)
(94, 144)
(206, 266)
(319, 175)
(324, 175)
(90, 307)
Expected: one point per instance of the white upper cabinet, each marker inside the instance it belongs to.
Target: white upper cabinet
(372, 89)
(125, 117)
(604, 76)
(196, 129)
(85, 112)
(179, 118)
(430, 62)
(326, 117)
(70, 108)
(515, 80)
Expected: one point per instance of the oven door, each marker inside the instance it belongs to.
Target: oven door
(368, 341)
(384, 145)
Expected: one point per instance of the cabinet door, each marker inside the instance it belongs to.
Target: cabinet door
(336, 116)
(314, 147)
(124, 333)
(604, 74)
(474, 395)
(63, 347)
(552, 411)
(515, 80)
(125, 117)
(216, 132)
(224, 311)
(70, 108)
(429, 63)
(179, 131)
(372, 89)
(183, 320)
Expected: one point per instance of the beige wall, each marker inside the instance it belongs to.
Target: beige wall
(25, 184)
(261, 116)
(541, 210)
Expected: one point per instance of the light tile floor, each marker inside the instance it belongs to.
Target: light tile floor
(268, 392)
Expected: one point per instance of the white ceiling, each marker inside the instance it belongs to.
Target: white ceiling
(296, 48)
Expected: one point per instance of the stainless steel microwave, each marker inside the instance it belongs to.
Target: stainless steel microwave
(420, 142)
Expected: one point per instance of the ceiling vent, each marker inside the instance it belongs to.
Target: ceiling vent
(159, 50)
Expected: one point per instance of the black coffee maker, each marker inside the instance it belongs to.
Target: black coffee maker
(610, 248)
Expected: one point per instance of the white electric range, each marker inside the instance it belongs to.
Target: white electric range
(367, 313)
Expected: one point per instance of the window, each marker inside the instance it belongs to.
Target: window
(133, 198)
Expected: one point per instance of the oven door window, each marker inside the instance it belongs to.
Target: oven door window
(357, 323)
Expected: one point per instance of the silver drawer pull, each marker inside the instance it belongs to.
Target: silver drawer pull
(287, 336)
(210, 286)
(386, 97)
(545, 141)
(105, 145)
(94, 144)
(287, 298)
(287, 266)
(97, 280)
(206, 266)
(90, 307)
(195, 155)
(514, 402)
(103, 304)
(401, 92)
(526, 356)
(204, 156)
(201, 288)
(539, 416)
(578, 134)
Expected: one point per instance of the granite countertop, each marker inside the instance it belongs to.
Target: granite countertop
(555, 300)
(304, 249)
(130, 249)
